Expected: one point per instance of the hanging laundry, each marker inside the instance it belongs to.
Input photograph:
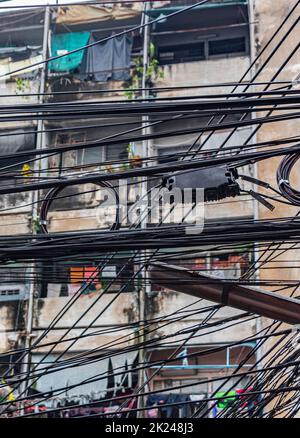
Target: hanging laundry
(153, 413)
(76, 274)
(107, 61)
(63, 43)
(225, 399)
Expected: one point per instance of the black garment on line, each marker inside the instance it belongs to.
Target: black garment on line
(107, 61)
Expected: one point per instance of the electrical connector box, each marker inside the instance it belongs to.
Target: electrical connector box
(218, 182)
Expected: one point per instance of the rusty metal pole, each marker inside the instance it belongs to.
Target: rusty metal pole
(263, 303)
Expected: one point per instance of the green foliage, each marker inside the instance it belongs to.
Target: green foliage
(130, 150)
(153, 72)
(36, 226)
(23, 87)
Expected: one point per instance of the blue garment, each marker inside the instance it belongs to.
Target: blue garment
(109, 60)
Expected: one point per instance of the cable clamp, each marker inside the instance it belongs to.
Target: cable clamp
(44, 222)
(283, 181)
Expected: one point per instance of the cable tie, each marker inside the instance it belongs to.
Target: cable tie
(283, 181)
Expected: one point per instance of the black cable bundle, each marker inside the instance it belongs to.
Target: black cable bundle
(271, 376)
(283, 175)
(52, 195)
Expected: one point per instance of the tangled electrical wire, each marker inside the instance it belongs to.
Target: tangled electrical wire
(53, 194)
(266, 365)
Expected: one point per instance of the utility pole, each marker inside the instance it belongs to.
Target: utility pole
(145, 288)
(258, 323)
(38, 166)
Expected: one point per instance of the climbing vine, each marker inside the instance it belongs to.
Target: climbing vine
(153, 72)
(23, 86)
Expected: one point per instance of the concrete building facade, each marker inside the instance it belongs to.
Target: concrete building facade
(212, 44)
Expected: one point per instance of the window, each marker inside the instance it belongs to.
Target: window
(176, 153)
(65, 279)
(171, 153)
(197, 48)
(72, 158)
(227, 46)
(10, 292)
(192, 51)
(79, 157)
(94, 155)
(70, 138)
(181, 53)
(12, 286)
(116, 153)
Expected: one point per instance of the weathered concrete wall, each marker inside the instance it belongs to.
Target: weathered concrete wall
(11, 323)
(121, 310)
(13, 224)
(168, 303)
(203, 73)
(14, 96)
